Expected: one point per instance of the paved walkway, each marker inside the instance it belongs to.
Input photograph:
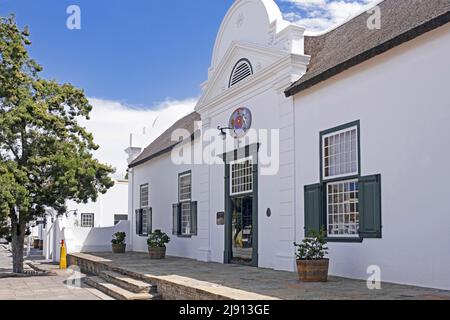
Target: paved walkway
(269, 283)
(43, 287)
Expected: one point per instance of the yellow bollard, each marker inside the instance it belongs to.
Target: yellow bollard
(63, 258)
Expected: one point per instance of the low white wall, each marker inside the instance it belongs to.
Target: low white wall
(93, 240)
(80, 239)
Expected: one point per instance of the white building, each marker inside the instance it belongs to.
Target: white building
(86, 227)
(358, 120)
(109, 209)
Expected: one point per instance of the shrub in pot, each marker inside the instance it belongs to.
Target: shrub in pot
(311, 262)
(157, 244)
(118, 242)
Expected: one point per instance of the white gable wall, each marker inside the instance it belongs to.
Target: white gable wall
(247, 21)
(266, 110)
(402, 100)
(255, 30)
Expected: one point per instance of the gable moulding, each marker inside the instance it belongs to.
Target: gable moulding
(295, 64)
(274, 19)
(227, 61)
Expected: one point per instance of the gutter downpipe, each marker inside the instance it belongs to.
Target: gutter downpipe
(132, 209)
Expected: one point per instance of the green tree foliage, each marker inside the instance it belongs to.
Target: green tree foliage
(45, 155)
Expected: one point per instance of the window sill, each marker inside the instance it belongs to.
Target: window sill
(184, 236)
(345, 240)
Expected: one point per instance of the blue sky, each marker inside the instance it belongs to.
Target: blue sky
(141, 62)
(141, 52)
(138, 52)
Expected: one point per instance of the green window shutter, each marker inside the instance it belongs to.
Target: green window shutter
(194, 218)
(149, 219)
(138, 222)
(179, 219)
(370, 226)
(313, 209)
(175, 219)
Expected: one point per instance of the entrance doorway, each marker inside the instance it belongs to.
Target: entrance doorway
(242, 230)
(241, 212)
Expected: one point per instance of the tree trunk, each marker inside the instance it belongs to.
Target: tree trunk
(18, 239)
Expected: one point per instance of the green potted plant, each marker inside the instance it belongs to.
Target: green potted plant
(118, 242)
(311, 262)
(157, 244)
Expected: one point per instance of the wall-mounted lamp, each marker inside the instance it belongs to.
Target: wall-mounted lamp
(222, 131)
(74, 212)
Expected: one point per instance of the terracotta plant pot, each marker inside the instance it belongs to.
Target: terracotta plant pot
(313, 270)
(119, 248)
(157, 253)
(41, 244)
(36, 244)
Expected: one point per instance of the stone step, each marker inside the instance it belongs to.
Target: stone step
(127, 283)
(116, 292)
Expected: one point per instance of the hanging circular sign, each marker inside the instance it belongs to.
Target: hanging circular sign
(240, 122)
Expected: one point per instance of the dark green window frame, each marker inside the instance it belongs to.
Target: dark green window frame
(324, 181)
(147, 194)
(356, 124)
(369, 198)
(177, 212)
(92, 220)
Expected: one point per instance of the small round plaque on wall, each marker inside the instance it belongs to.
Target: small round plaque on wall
(269, 212)
(240, 122)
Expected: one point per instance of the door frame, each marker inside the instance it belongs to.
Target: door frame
(245, 152)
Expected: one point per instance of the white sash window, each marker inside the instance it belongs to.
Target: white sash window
(241, 180)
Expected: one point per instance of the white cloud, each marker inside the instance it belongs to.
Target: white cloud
(112, 123)
(320, 15)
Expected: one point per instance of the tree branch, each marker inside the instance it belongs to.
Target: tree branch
(16, 155)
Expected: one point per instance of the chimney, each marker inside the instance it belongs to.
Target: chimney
(132, 152)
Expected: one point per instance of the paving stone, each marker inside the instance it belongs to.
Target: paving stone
(41, 288)
(185, 278)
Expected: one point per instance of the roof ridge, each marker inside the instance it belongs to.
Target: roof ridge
(163, 143)
(348, 20)
(353, 43)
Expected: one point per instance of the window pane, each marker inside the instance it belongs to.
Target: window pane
(144, 224)
(241, 177)
(185, 187)
(87, 220)
(144, 196)
(340, 157)
(186, 218)
(342, 209)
